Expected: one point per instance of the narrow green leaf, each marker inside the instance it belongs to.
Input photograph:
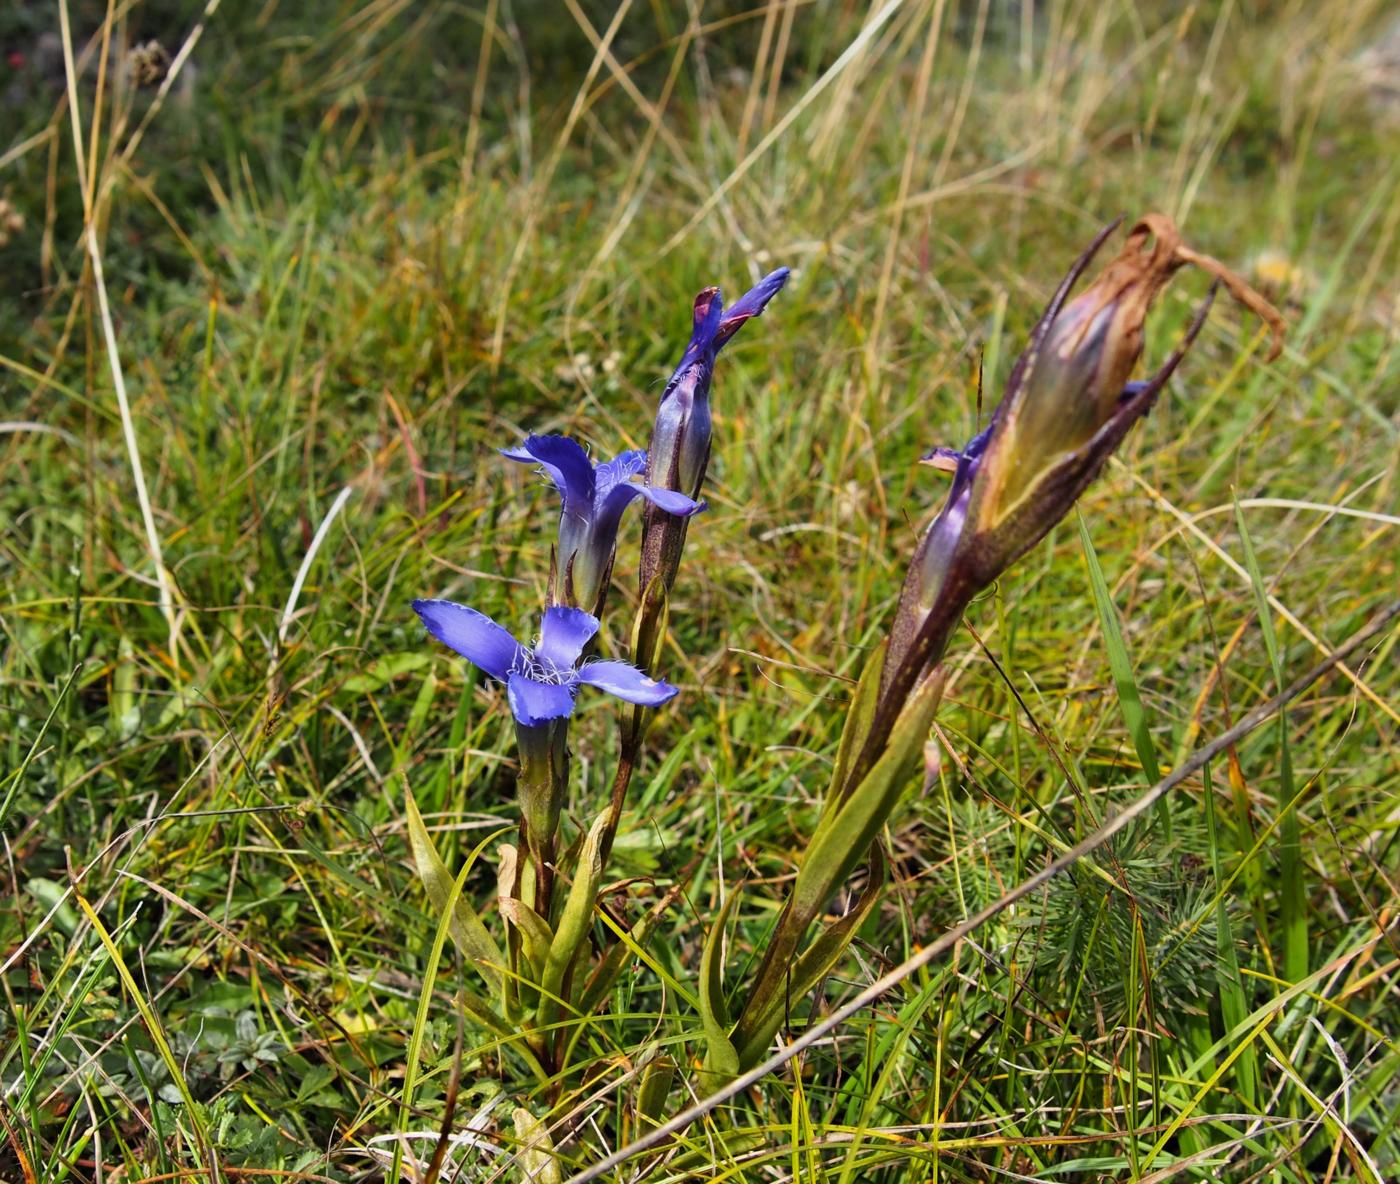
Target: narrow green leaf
(574, 921)
(721, 1060)
(123, 714)
(841, 839)
(536, 1158)
(535, 934)
(756, 1032)
(1261, 596)
(857, 725)
(656, 1085)
(1233, 1006)
(844, 835)
(487, 1017)
(468, 933)
(631, 943)
(1292, 897)
(1121, 667)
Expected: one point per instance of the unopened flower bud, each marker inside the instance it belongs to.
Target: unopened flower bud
(680, 438)
(679, 452)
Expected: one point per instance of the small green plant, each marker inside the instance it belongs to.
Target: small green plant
(539, 976)
(1069, 403)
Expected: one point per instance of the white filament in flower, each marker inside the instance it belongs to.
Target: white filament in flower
(530, 665)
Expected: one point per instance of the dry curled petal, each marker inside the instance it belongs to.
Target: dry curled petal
(1146, 272)
(1243, 293)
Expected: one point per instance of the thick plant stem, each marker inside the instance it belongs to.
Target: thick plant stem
(857, 809)
(544, 778)
(622, 780)
(663, 543)
(648, 636)
(773, 971)
(903, 670)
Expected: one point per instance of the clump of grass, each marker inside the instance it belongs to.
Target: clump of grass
(361, 250)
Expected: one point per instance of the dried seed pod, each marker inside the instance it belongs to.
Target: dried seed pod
(1068, 404)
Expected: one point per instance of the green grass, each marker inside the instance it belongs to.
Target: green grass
(356, 254)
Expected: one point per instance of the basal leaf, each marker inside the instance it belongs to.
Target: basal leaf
(473, 942)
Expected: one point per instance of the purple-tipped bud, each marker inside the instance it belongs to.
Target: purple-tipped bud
(749, 305)
(679, 452)
(680, 438)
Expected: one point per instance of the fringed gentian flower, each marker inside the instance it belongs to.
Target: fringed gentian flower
(541, 680)
(680, 439)
(594, 497)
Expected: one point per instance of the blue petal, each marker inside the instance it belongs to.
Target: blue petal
(566, 464)
(611, 507)
(564, 634)
(750, 304)
(946, 459)
(621, 468)
(670, 501)
(538, 702)
(472, 634)
(626, 682)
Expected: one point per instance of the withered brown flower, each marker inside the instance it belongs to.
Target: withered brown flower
(1068, 404)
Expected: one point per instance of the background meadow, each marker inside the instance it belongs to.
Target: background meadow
(316, 273)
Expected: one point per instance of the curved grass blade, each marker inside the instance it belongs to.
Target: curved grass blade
(1121, 667)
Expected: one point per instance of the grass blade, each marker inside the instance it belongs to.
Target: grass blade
(469, 934)
(1292, 897)
(1233, 1004)
(1121, 667)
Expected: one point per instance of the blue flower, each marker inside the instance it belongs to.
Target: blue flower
(594, 498)
(541, 680)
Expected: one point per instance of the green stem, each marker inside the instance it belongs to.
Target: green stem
(543, 781)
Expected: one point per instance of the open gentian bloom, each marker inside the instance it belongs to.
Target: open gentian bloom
(541, 680)
(594, 497)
